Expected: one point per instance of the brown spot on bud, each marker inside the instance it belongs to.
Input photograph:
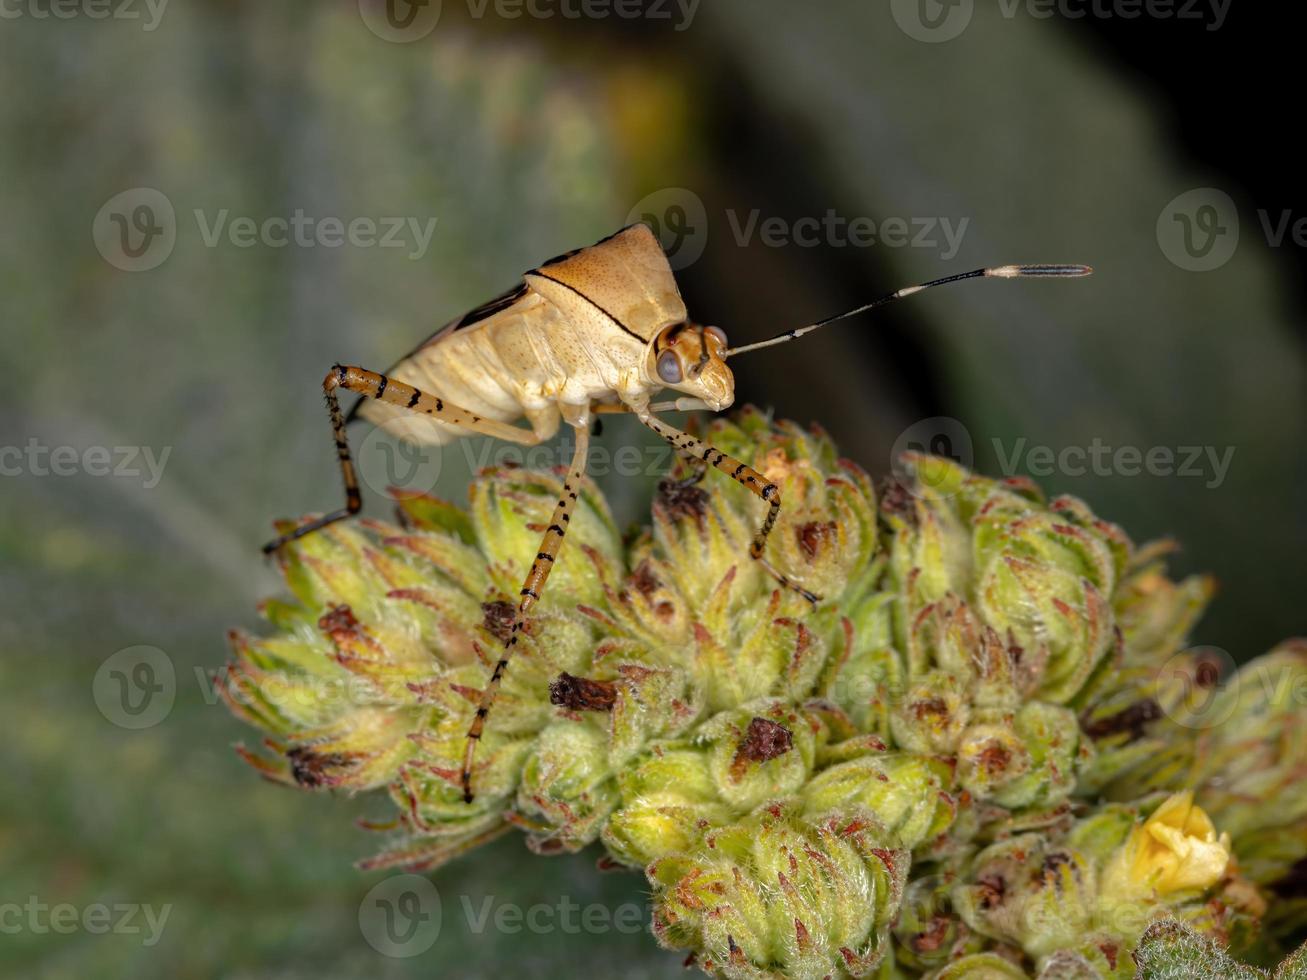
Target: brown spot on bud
(1047, 873)
(932, 937)
(498, 618)
(643, 579)
(582, 693)
(1207, 670)
(932, 707)
(990, 890)
(801, 935)
(994, 758)
(763, 740)
(1133, 719)
(896, 501)
(681, 499)
(313, 770)
(338, 619)
(816, 537)
(1110, 951)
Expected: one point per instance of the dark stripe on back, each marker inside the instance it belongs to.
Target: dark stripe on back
(578, 292)
(491, 307)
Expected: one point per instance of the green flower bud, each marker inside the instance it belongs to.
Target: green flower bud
(777, 896)
(927, 930)
(1023, 759)
(981, 966)
(971, 759)
(905, 793)
(1030, 892)
(567, 790)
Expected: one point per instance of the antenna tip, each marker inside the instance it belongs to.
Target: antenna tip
(1045, 271)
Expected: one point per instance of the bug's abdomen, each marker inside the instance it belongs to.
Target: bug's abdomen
(491, 370)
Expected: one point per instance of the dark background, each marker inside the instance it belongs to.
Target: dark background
(1059, 140)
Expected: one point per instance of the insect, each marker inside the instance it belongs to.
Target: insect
(599, 329)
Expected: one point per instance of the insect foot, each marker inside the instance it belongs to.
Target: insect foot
(979, 756)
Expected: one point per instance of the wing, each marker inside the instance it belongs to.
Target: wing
(486, 311)
(625, 275)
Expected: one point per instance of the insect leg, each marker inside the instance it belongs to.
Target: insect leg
(530, 594)
(741, 473)
(378, 386)
(697, 466)
(675, 405)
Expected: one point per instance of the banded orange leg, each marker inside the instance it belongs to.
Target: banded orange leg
(373, 385)
(741, 473)
(530, 594)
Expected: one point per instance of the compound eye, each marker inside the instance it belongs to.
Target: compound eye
(719, 333)
(669, 367)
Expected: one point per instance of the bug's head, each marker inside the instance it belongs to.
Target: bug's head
(688, 357)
